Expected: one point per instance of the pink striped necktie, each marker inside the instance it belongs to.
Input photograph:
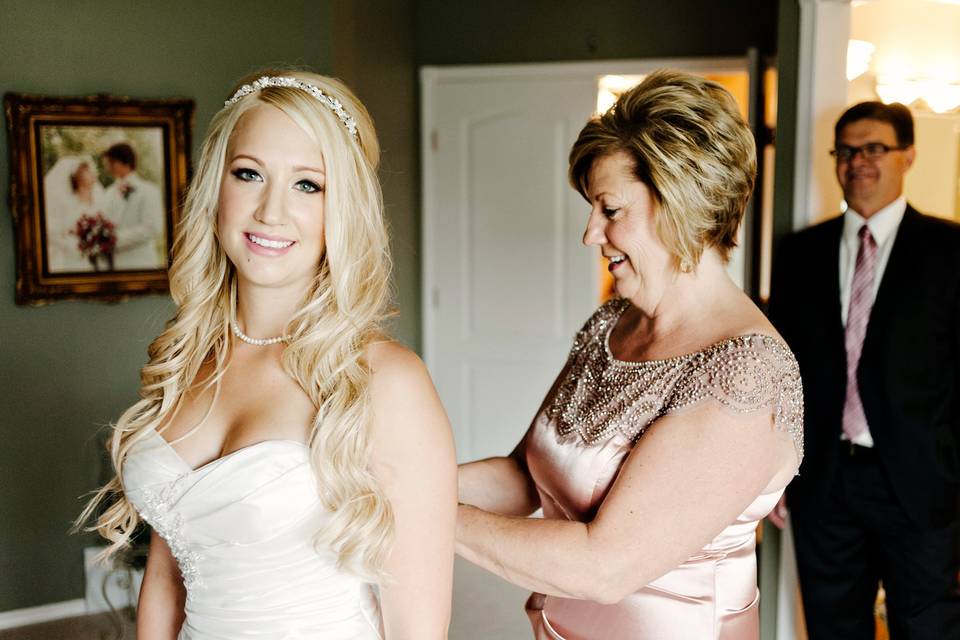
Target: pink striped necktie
(858, 315)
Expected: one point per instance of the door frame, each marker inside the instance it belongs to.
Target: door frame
(803, 183)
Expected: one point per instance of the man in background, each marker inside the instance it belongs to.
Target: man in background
(870, 304)
(135, 206)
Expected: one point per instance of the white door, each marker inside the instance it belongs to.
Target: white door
(506, 281)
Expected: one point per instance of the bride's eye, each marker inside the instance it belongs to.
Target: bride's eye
(246, 175)
(308, 186)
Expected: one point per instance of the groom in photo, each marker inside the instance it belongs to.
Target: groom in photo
(135, 206)
(870, 304)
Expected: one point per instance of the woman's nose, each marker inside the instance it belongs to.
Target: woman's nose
(594, 234)
(272, 207)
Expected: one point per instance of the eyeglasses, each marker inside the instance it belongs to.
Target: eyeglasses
(870, 151)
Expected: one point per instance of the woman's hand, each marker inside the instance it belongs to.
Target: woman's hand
(499, 485)
(778, 517)
(503, 485)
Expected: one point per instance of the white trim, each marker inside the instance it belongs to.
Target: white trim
(44, 613)
(801, 164)
(434, 74)
(429, 78)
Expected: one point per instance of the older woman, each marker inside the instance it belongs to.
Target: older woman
(677, 420)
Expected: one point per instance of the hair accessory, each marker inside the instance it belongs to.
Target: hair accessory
(285, 81)
(259, 342)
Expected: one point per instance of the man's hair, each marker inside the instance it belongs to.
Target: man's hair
(122, 152)
(894, 114)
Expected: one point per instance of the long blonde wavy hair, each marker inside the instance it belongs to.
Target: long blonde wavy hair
(341, 314)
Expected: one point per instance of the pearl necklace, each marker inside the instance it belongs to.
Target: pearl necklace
(258, 342)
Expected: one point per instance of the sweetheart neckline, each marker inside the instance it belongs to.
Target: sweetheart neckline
(226, 456)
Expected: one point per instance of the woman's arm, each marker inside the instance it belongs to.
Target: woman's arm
(499, 485)
(689, 477)
(503, 485)
(162, 595)
(415, 464)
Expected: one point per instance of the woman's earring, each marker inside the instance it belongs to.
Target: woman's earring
(685, 267)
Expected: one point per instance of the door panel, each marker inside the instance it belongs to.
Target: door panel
(509, 282)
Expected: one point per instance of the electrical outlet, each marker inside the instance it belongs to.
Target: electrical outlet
(110, 585)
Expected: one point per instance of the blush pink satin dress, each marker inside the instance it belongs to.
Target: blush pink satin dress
(577, 444)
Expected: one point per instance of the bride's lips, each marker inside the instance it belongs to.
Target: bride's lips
(266, 245)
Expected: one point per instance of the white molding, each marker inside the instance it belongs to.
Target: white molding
(578, 69)
(44, 613)
(429, 77)
(801, 164)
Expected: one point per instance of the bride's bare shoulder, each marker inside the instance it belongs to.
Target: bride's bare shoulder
(408, 418)
(399, 380)
(389, 359)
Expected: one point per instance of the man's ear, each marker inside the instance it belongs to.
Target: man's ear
(910, 154)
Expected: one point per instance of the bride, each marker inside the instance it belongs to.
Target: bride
(295, 465)
(70, 189)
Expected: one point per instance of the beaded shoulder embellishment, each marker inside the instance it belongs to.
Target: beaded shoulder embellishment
(168, 523)
(745, 374)
(600, 395)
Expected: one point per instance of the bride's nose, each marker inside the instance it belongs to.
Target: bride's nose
(272, 209)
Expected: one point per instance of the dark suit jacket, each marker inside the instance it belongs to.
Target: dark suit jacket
(909, 372)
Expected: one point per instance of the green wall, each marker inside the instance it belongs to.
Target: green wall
(381, 71)
(503, 31)
(69, 368)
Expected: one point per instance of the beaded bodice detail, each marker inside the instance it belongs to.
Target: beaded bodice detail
(600, 395)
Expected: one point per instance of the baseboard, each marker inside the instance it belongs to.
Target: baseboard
(43, 613)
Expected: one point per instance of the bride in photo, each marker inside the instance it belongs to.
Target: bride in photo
(71, 189)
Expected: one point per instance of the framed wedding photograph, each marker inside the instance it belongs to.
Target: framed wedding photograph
(96, 186)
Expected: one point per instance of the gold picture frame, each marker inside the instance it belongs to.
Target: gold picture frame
(96, 187)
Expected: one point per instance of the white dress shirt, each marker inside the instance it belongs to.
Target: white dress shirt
(883, 227)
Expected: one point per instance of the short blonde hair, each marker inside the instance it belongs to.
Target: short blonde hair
(690, 146)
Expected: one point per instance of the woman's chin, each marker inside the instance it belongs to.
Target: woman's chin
(278, 281)
(625, 289)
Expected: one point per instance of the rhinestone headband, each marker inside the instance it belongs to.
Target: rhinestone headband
(284, 81)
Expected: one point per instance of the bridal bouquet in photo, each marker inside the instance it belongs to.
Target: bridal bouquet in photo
(96, 238)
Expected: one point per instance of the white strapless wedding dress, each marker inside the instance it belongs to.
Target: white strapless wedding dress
(241, 529)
